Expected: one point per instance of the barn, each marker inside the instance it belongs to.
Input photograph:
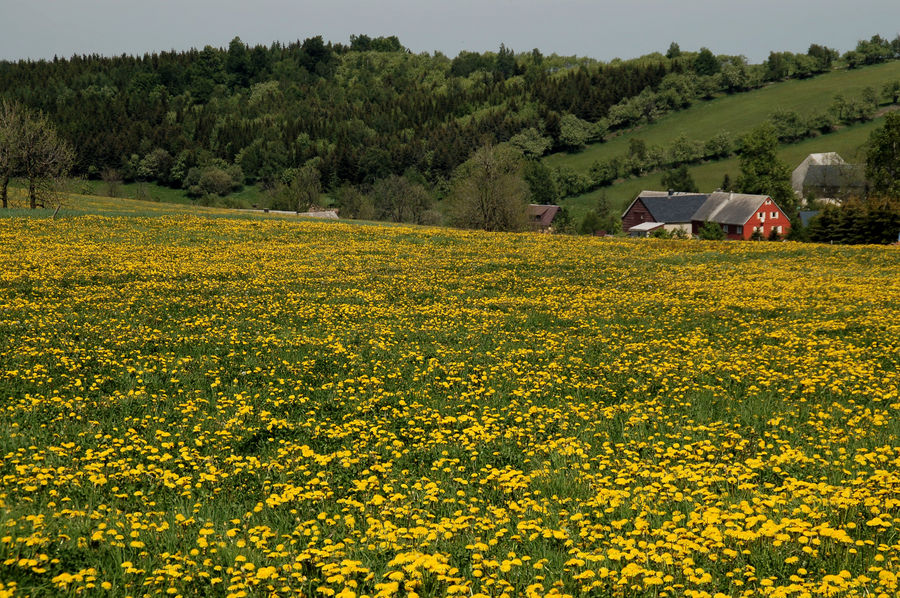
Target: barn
(674, 210)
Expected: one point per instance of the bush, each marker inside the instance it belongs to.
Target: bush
(213, 180)
(590, 224)
(711, 231)
(569, 182)
(604, 172)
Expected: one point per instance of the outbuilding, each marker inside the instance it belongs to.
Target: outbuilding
(826, 176)
(541, 216)
(645, 228)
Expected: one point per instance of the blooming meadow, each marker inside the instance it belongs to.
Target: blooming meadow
(199, 406)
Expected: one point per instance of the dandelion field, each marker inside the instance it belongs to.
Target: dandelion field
(212, 407)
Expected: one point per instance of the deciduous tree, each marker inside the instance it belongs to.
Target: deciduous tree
(706, 63)
(398, 199)
(489, 191)
(883, 157)
(303, 186)
(761, 170)
(11, 124)
(43, 158)
(679, 179)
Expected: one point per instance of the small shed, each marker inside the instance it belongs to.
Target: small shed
(541, 216)
(645, 228)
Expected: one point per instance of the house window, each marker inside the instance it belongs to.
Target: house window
(774, 214)
(725, 227)
(768, 201)
(761, 216)
(740, 229)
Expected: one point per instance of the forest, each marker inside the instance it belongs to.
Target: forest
(362, 111)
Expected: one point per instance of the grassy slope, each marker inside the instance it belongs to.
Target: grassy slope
(738, 113)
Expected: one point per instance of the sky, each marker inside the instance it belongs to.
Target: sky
(600, 29)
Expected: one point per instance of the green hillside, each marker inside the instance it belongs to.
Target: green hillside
(848, 142)
(736, 114)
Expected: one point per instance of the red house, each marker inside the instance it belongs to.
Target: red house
(740, 215)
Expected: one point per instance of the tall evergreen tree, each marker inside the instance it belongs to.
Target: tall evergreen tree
(679, 179)
(706, 63)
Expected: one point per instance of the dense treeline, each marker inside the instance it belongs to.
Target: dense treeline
(211, 120)
(366, 110)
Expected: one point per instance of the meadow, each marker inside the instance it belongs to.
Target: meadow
(199, 406)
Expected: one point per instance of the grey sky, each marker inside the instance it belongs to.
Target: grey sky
(600, 29)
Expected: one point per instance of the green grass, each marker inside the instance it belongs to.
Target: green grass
(92, 197)
(848, 142)
(146, 191)
(248, 196)
(738, 113)
(76, 204)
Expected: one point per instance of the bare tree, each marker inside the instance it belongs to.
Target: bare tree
(398, 199)
(12, 117)
(44, 158)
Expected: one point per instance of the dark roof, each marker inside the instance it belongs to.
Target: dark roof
(672, 208)
(729, 208)
(542, 215)
(834, 175)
